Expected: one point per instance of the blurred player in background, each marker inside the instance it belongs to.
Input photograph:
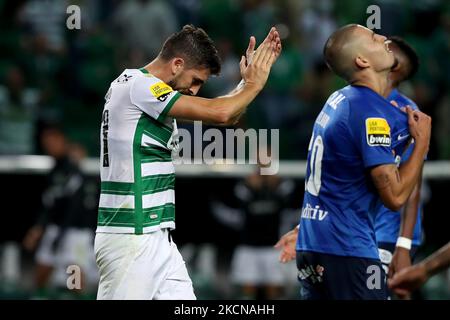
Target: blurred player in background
(355, 136)
(64, 231)
(136, 256)
(399, 237)
(261, 201)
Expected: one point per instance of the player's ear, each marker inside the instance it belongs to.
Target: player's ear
(362, 62)
(177, 65)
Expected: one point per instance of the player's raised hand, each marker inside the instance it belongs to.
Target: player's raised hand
(273, 36)
(419, 125)
(287, 246)
(250, 50)
(257, 72)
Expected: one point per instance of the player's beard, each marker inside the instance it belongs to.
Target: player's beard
(175, 86)
(173, 83)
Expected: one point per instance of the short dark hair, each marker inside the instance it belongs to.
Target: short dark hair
(409, 52)
(333, 54)
(194, 46)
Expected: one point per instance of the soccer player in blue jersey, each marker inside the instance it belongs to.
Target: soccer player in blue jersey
(389, 225)
(399, 233)
(352, 171)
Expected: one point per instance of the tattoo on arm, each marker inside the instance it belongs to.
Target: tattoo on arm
(381, 181)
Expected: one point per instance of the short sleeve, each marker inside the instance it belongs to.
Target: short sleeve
(153, 96)
(373, 136)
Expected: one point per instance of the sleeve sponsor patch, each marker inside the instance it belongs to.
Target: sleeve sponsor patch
(160, 90)
(378, 132)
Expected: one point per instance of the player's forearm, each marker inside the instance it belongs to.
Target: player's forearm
(232, 106)
(438, 261)
(408, 174)
(237, 89)
(410, 212)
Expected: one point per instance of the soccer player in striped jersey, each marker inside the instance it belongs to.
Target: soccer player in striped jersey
(135, 254)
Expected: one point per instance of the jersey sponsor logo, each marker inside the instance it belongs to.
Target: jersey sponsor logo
(402, 136)
(160, 90)
(308, 212)
(378, 132)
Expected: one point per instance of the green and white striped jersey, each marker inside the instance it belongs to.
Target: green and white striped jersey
(137, 139)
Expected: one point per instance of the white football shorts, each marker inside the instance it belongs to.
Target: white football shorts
(141, 267)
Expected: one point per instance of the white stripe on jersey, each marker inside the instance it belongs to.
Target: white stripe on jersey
(116, 201)
(158, 199)
(152, 168)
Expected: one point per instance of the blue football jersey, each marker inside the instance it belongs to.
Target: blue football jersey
(357, 129)
(387, 222)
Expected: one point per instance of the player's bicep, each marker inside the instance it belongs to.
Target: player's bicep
(386, 178)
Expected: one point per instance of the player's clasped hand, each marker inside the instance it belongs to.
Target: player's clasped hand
(419, 126)
(255, 68)
(408, 280)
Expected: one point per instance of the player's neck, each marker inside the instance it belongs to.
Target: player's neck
(158, 69)
(392, 83)
(377, 82)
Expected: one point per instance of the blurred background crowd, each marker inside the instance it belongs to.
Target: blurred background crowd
(52, 75)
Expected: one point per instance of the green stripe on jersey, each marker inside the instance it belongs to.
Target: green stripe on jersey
(119, 217)
(158, 183)
(125, 217)
(163, 115)
(156, 215)
(157, 130)
(155, 154)
(119, 188)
